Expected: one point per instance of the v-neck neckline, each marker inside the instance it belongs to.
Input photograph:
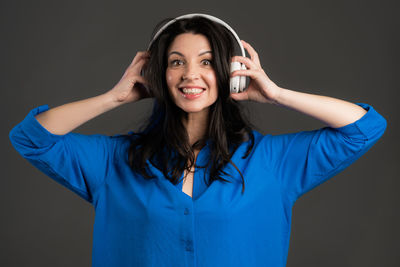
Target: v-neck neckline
(201, 158)
(183, 195)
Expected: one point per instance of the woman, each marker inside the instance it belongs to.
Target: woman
(174, 194)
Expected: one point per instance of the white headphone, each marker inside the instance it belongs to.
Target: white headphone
(238, 83)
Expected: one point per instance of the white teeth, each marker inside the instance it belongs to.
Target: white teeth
(192, 91)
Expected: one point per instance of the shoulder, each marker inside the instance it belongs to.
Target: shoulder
(119, 142)
(122, 144)
(258, 139)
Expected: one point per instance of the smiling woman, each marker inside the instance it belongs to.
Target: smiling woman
(193, 104)
(174, 193)
(190, 75)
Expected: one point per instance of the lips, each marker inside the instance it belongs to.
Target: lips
(191, 92)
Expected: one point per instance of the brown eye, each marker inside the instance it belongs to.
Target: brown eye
(208, 62)
(176, 62)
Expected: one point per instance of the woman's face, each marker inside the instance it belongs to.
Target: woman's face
(190, 76)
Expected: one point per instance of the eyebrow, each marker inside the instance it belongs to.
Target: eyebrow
(176, 52)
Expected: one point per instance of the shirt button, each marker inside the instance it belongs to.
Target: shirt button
(186, 212)
(189, 245)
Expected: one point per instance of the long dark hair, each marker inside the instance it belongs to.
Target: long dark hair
(164, 140)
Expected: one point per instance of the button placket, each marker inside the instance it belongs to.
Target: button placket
(189, 245)
(188, 238)
(186, 211)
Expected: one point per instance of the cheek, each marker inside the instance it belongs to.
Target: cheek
(212, 82)
(170, 83)
(169, 78)
(211, 78)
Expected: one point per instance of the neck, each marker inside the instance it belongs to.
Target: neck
(196, 125)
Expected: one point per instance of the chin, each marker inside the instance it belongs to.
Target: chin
(193, 108)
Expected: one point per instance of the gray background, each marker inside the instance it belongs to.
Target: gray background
(55, 52)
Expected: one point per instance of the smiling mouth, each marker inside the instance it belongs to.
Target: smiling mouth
(191, 93)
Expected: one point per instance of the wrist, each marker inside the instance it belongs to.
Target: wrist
(110, 101)
(277, 100)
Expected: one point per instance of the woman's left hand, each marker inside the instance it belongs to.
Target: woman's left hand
(261, 88)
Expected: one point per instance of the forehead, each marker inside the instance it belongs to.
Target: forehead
(189, 42)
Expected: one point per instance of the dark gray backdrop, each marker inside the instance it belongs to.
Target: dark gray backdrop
(54, 52)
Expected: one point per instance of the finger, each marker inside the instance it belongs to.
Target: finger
(246, 61)
(134, 69)
(139, 64)
(140, 79)
(252, 52)
(142, 84)
(251, 73)
(139, 55)
(240, 96)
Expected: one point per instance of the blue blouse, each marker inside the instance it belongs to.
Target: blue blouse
(141, 222)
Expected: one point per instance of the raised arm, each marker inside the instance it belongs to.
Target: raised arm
(332, 111)
(65, 118)
(79, 162)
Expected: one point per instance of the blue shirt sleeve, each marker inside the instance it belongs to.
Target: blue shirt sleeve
(301, 161)
(78, 162)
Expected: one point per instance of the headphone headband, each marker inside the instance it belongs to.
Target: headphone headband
(212, 18)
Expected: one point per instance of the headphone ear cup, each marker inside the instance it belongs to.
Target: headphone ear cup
(242, 85)
(237, 83)
(234, 82)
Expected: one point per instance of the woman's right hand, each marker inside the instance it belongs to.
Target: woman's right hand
(131, 87)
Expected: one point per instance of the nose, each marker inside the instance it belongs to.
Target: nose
(191, 71)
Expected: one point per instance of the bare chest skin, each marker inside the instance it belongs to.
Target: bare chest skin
(187, 185)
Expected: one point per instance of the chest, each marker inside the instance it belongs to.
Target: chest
(187, 185)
